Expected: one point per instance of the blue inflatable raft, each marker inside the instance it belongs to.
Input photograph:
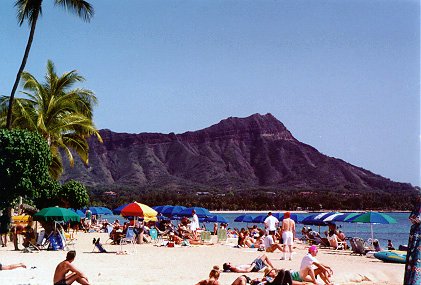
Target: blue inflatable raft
(393, 256)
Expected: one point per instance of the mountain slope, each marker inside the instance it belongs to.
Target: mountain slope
(236, 153)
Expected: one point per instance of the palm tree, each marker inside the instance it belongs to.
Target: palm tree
(30, 10)
(62, 115)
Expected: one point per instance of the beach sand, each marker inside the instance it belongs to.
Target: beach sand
(182, 265)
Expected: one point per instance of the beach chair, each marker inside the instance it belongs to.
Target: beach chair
(205, 236)
(321, 242)
(153, 233)
(222, 235)
(129, 239)
(358, 246)
(55, 241)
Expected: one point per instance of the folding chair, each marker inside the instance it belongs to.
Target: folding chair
(130, 238)
(222, 235)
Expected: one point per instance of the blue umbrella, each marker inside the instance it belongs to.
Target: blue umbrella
(200, 212)
(310, 220)
(117, 210)
(79, 212)
(171, 211)
(260, 219)
(105, 211)
(159, 209)
(342, 217)
(216, 219)
(244, 219)
(280, 217)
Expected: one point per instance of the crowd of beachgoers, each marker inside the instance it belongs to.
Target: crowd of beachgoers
(301, 246)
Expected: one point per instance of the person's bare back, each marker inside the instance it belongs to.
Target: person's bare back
(288, 225)
(61, 276)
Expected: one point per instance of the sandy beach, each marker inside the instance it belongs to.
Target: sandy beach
(151, 264)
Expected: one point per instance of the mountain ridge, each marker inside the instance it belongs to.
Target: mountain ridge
(236, 153)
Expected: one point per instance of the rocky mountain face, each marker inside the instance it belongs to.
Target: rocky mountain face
(236, 153)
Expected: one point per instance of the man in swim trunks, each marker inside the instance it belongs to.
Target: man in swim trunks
(64, 267)
(257, 265)
(288, 234)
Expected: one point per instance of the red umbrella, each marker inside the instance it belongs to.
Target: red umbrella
(139, 210)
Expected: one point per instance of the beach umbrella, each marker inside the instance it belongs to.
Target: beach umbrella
(216, 219)
(137, 209)
(79, 212)
(99, 210)
(117, 211)
(341, 217)
(373, 218)
(159, 209)
(56, 214)
(260, 219)
(200, 212)
(310, 220)
(280, 217)
(244, 219)
(171, 211)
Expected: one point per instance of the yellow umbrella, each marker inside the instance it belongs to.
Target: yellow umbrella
(137, 209)
(21, 219)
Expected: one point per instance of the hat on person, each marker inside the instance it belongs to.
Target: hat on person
(312, 248)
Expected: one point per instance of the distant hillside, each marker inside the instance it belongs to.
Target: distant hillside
(237, 153)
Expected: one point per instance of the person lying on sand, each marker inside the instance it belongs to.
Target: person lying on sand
(257, 265)
(212, 280)
(311, 267)
(12, 266)
(271, 276)
(64, 267)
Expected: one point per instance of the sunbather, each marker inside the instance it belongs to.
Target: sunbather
(270, 276)
(257, 265)
(62, 278)
(12, 266)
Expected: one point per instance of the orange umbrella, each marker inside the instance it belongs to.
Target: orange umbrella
(137, 209)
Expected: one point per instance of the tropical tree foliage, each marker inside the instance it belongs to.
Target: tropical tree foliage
(24, 161)
(60, 113)
(30, 10)
(73, 194)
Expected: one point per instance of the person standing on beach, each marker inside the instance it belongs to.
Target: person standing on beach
(413, 256)
(194, 223)
(62, 278)
(271, 223)
(4, 227)
(288, 234)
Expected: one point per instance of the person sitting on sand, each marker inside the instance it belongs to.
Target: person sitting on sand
(212, 280)
(311, 267)
(62, 278)
(12, 266)
(270, 245)
(390, 245)
(257, 265)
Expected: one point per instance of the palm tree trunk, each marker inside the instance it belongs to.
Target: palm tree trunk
(21, 68)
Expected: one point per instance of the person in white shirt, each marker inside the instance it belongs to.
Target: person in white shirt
(270, 245)
(311, 267)
(271, 223)
(194, 222)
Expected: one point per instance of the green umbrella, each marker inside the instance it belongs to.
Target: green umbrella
(56, 214)
(373, 218)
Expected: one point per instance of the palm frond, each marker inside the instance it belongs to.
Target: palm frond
(82, 8)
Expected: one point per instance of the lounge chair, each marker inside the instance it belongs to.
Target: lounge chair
(222, 235)
(321, 242)
(129, 239)
(358, 246)
(98, 245)
(205, 236)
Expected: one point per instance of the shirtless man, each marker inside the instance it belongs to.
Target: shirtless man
(288, 234)
(64, 267)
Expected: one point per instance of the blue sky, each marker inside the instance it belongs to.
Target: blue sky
(343, 76)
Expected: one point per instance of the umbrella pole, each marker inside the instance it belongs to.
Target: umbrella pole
(372, 235)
